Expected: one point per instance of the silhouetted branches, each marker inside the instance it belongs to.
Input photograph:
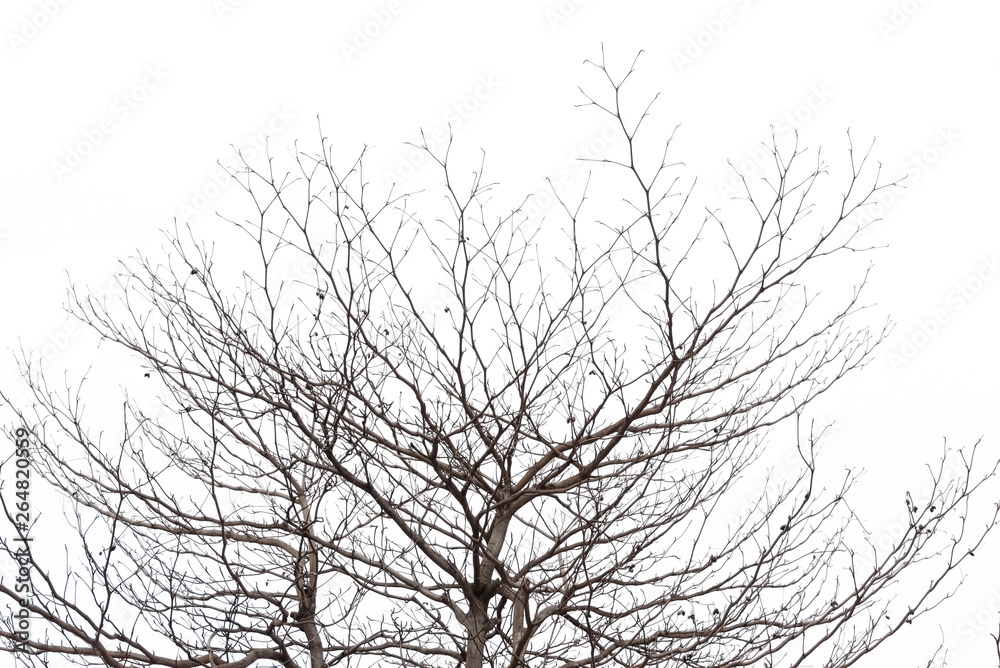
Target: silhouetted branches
(539, 471)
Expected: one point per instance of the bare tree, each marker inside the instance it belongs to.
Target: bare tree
(543, 469)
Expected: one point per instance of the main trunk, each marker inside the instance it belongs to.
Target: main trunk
(476, 625)
(478, 619)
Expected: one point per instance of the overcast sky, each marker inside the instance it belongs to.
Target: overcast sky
(115, 114)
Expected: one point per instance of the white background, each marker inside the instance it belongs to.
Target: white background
(198, 77)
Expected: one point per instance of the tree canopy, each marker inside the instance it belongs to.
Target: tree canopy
(479, 439)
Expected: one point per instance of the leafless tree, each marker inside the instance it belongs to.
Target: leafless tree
(545, 467)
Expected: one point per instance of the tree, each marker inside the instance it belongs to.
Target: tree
(349, 475)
